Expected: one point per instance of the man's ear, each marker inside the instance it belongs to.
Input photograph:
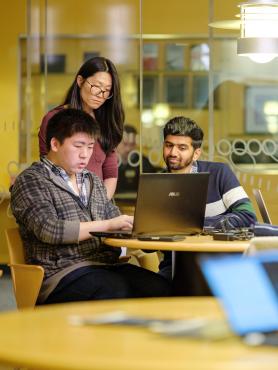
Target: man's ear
(197, 154)
(79, 80)
(54, 144)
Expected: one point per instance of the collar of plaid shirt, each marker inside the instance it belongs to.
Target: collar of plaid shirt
(194, 168)
(80, 179)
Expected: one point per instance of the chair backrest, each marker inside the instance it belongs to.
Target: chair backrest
(15, 246)
(27, 279)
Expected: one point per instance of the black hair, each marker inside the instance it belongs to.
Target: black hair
(68, 122)
(184, 126)
(110, 114)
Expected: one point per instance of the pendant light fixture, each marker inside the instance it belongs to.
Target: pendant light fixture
(258, 30)
(258, 26)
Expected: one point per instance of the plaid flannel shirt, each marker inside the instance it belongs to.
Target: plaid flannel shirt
(80, 179)
(49, 214)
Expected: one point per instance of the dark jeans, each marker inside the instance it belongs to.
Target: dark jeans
(107, 282)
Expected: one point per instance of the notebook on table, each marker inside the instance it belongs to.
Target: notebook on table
(248, 290)
(168, 206)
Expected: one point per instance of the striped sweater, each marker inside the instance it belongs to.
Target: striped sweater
(226, 200)
(226, 197)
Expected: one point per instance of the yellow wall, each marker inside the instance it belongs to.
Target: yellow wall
(12, 23)
(178, 17)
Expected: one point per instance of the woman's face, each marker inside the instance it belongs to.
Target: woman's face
(95, 90)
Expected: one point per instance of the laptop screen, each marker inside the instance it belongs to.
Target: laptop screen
(247, 288)
(167, 205)
(171, 203)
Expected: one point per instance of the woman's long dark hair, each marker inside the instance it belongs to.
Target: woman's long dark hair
(110, 114)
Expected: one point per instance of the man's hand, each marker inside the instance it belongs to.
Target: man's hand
(123, 222)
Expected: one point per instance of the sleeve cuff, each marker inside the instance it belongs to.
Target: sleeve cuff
(71, 232)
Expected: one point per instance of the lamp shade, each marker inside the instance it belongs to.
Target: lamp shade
(258, 30)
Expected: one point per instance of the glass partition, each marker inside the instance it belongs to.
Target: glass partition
(175, 72)
(163, 66)
(162, 73)
(55, 46)
(245, 125)
(168, 67)
(175, 82)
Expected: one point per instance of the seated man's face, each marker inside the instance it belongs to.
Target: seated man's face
(179, 154)
(74, 153)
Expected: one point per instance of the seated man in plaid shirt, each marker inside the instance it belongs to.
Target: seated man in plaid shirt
(57, 203)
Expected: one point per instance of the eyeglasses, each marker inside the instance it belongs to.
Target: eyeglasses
(97, 91)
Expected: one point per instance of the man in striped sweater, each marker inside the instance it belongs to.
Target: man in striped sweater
(228, 205)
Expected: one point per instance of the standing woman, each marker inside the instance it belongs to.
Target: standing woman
(96, 90)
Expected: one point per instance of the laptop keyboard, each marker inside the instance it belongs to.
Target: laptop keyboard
(143, 237)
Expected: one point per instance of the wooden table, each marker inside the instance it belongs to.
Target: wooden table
(188, 279)
(44, 339)
(199, 243)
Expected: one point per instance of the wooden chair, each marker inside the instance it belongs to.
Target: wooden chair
(149, 261)
(27, 279)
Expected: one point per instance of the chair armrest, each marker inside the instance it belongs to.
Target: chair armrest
(27, 281)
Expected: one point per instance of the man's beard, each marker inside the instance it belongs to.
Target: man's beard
(179, 165)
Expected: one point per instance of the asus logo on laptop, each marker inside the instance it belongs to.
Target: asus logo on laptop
(174, 194)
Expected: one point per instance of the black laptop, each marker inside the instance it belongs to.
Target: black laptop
(168, 206)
